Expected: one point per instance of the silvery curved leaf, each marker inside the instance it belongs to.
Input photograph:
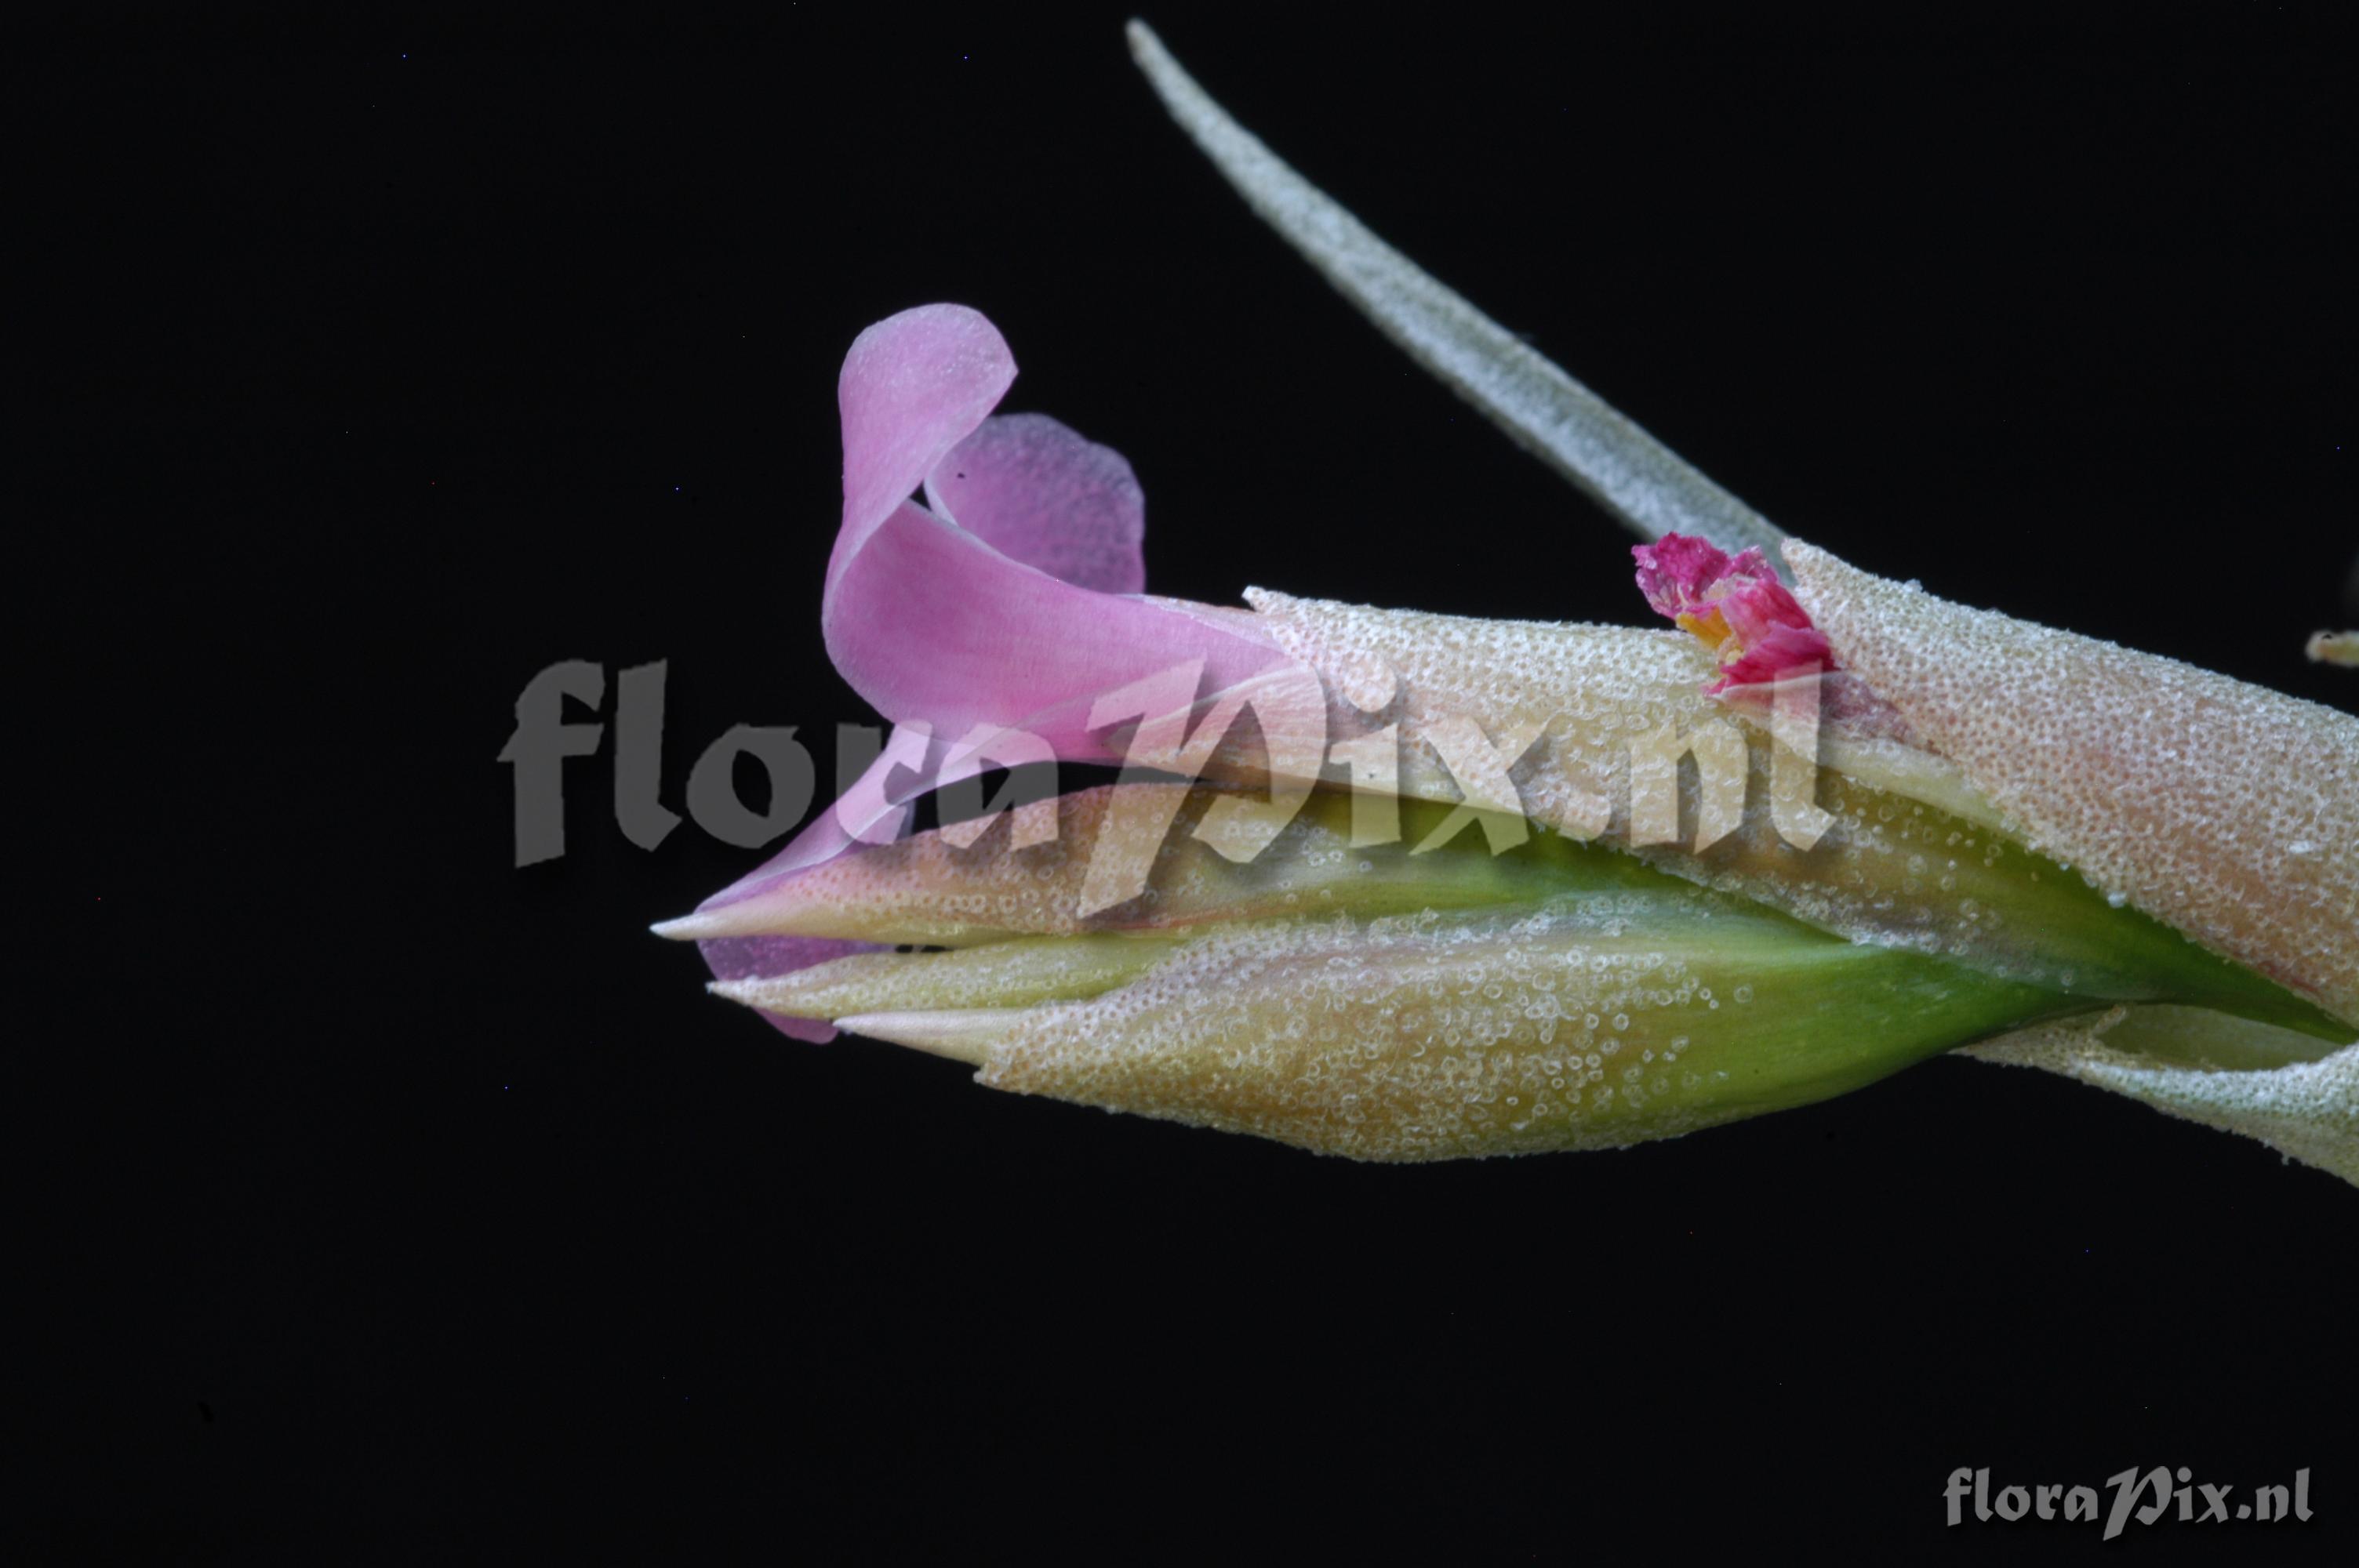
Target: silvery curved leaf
(1649, 487)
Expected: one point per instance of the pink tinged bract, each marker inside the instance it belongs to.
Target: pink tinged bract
(2226, 810)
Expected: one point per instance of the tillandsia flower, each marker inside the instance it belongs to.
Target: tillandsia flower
(1736, 606)
(1405, 886)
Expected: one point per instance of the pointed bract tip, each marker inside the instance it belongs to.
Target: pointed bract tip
(962, 1035)
(760, 993)
(685, 928)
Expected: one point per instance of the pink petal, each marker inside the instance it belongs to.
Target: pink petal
(936, 624)
(1021, 618)
(931, 625)
(1036, 491)
(1681, 573)
(936, 628)
(1672, 573)
(1769, 636)
(1756, 609)
(1778, 652)
(913, 387)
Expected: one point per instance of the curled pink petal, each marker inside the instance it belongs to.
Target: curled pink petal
(1012, 610)
(956, 628)
(913, 387)
(930, 623)
(1038, 491)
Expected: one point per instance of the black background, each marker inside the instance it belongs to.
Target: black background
(389, 1200)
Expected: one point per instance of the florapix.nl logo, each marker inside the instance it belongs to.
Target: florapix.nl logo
(1270, 740)
(2145, 1496)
